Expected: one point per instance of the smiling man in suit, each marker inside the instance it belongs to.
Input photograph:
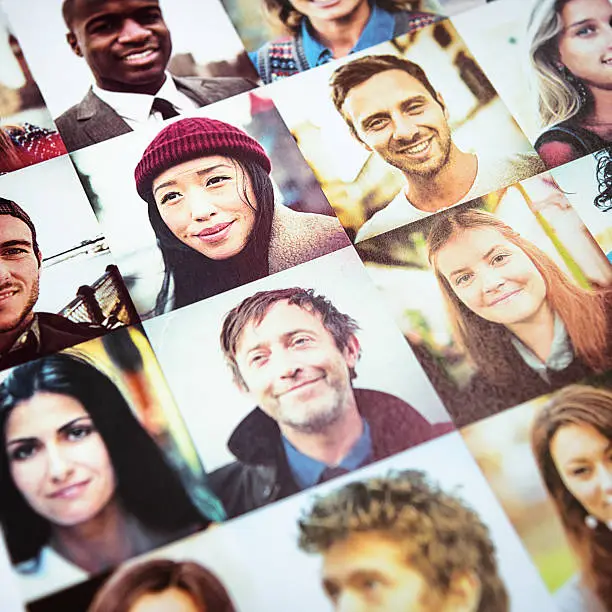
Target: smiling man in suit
(127, 46)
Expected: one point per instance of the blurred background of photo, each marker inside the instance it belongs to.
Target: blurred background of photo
(256, 27)
(536, 208)
(501, 445)
(357, 182)
(496, 36)
(107, 172)
(78, 277)
(186, 342)
(204, 43)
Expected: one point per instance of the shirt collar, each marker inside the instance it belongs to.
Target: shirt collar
(29, 334)
(136, 107)
(560, 356)
(307, 471)
(379, 28)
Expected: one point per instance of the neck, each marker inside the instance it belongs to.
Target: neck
(106, 540)
(341, 35)
(150, 88)
(448, 186)
(7, 338)
(331, 445)
(537, 333)
(602, 108)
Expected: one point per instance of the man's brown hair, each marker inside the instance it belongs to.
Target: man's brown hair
(440, 535)
(254, 309)
(360, 70)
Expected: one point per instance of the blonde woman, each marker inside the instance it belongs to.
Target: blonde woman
(524, 325)
(570, 52)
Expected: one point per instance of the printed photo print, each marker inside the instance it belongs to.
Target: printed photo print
(549, 463)
(403, 130)
(27, 132)
(503, 299)
(411, 532)
(289, 381)
(59, 284)
(285, 37)
(549, 61)
(210, 202)
(108, 67)
(96, 464)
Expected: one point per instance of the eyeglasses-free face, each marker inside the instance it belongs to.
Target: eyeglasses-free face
(58, 460)
(492, 276)
(208, 204)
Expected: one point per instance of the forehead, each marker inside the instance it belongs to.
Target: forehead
(469, 246)
(200, 164)
(43, 412)
(383, 90)
(579, 10)
(576, 441)
(84, 10)
(280, 319)
(12, 228)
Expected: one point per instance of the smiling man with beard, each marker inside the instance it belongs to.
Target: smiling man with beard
(295, 354)
(393, 110)
(127, 47)
(25, 335)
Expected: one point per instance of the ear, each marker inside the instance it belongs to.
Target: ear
(74, 45)
(39, 257)
(464, 594)
(352, 351)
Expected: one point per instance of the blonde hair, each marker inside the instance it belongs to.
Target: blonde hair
(558, 96)
(583, 312)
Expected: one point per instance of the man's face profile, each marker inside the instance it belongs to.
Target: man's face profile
(369, 572)
(19, 273)
(292, 367)
(395, 115)
(125, 43)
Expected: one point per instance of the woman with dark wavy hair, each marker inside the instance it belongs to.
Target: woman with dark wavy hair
(212, 207)
(525, 326)
(161, 584)
(83, 487)
(572, 441)
(318, 32)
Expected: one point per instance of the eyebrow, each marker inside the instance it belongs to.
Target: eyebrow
(406, 102)
(200, 172)
(581, 22)
(16, 242)
(284, 336)
(62, 429)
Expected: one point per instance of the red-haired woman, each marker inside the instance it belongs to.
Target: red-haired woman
(571, 440)
(524, 325)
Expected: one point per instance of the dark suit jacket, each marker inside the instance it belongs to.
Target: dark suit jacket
(92, 120)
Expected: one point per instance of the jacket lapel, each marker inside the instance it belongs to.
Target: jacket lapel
(107, 123)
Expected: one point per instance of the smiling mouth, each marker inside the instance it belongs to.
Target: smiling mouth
(417, 148)
(301, 385)
(71, 491)
(215, 233)
(5, 294)
(139, 57)
(504, 297)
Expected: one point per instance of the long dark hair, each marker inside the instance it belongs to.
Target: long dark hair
(603, 200)
(590, 407)
(147, 487)
(196, 276)
(127, 585)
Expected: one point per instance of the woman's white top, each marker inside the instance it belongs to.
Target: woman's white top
(574, 596)
(51, 573)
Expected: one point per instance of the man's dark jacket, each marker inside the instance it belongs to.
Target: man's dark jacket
(92, 120)
(56, 333)
(261, 473)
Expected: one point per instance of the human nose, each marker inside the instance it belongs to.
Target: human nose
(200, 205)
(286, 365)
(404, 127)
(132, 31)
(491, 280)
(349, 602)
(58, 466)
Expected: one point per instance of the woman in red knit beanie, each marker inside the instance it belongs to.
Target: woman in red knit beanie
(211, 205)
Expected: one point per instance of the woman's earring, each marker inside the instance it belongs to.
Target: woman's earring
(577, 84)
(590, 521)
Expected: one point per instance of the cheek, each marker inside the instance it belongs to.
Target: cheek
(27, 476)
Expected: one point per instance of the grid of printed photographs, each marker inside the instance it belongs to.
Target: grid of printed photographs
(306, 305)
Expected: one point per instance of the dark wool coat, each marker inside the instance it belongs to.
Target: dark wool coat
(261, 474)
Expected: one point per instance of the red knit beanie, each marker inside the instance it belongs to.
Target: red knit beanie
(189, 139)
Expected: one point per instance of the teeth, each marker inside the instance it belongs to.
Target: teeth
(7, 294)
(138, 56)
(418, 148)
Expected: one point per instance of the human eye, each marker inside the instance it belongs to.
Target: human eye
(257, 360)
(102, 26)
(14, 252)
(170, 198)
(217, 180)
(375, 124)
(301, 340)
(585, 31)
(24, 451)
(499, 258)
(79, 432)
(149, 16)
(463, 279)
(580, 471)
(415, 108)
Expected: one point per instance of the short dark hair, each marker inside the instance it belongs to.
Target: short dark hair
(123, 589)
(254, 309)
(12, 209)
(439, 534)
(360, 70)
(144, 478)
(68, 11)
